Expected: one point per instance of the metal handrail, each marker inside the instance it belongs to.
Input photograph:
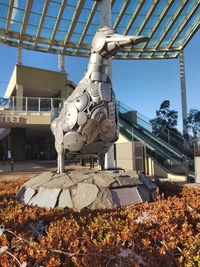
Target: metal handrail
(157, 146)
(36, 104)
(146, 121)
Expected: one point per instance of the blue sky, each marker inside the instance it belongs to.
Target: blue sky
(141, 84)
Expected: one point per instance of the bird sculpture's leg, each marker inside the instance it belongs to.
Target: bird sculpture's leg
(60, 159)
(101, 160)
(60, 162)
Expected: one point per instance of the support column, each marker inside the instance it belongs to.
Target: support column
(64, 93)
(61, 63)
(61, 67)
(19, 55)
(197, 169)
(105, 13)
(183, 91)
(19, 97)
(69, 89)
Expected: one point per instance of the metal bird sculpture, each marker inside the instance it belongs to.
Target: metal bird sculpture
(88, 121)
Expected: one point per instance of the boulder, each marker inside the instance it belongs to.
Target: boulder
(86, 188)
(85, 195)
(65, 199)
(45, 197)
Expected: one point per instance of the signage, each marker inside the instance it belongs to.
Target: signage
(10, 119)
(4, 102)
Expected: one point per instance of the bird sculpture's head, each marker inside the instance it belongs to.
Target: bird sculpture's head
(107, 43)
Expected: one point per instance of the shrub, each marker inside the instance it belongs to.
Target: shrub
(163, 233)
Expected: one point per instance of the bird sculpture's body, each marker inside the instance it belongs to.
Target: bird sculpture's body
(88, 121)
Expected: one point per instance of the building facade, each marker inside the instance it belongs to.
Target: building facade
(33, 93)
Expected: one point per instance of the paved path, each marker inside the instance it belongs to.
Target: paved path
(26, 169)
(29, 169)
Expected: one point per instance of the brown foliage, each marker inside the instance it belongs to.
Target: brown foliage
(163, 233)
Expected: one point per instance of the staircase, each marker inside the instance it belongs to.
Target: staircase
(169, 150)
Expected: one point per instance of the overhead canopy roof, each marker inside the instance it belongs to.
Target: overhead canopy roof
(68, 26)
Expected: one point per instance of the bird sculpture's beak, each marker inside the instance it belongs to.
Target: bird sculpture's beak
(125, 40)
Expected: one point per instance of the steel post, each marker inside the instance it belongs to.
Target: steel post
(105, 15)
(183, 91)
(19, 55)
(61, 63)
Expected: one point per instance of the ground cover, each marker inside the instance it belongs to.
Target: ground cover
(163, 233)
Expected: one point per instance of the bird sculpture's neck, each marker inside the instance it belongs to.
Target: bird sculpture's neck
(97, 68)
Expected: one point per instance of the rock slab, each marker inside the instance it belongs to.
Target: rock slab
(85, 195)
(28, 194)
(45, 197)
(86, 188)
(65, 199)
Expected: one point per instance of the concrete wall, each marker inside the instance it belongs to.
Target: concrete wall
(40, 82)
(32, 82)
(129, 156)
(158, 171)
(124, 155)
(35, 82)
(197, 169)
(11, 84)
(122, 139)
(11, 118)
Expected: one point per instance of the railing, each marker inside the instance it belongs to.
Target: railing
(38, 104)
(166, 145)
(169, 159)
(139, 120)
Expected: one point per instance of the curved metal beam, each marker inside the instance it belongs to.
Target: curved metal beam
(94, 8)
(10, 10)
(121, 13)
(186, 21)
(134, 16)
(62, 7)
(157, 23)
(73, 22)
(44, 11)
(26, 18)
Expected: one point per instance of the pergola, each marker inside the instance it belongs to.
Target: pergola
(68, 26)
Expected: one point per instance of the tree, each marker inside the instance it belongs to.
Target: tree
(165, 119)
(193, 124)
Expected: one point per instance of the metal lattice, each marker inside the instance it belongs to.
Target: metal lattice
(68, 26)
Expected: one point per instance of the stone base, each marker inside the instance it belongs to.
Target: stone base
(197, 169)
(86, 188)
